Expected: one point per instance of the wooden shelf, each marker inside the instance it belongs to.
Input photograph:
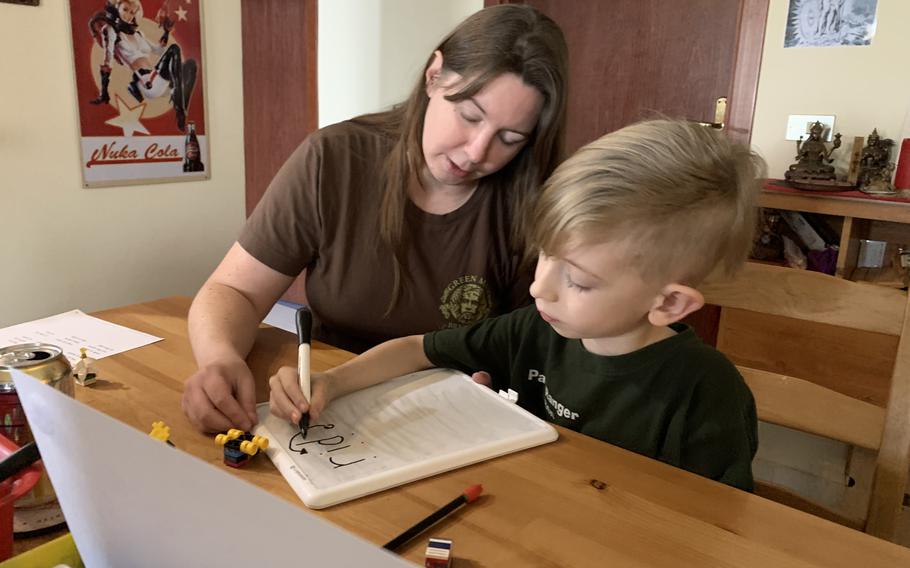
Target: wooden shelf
(859, 217)
(859, 207)
(886, 276)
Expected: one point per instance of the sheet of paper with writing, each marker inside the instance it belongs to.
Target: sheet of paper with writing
(74, 329)
(396, 432)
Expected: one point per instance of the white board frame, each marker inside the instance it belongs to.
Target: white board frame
(421, 424)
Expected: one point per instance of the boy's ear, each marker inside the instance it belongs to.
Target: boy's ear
(431, 76)
(674, 303)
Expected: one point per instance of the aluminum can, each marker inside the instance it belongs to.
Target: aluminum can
(48, 364)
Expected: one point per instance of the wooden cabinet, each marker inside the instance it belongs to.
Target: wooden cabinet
(856, 217)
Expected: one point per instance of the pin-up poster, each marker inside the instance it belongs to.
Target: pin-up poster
(139, 81)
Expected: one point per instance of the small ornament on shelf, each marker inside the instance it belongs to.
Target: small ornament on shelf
(902, 175)
(813, 169)
(901, 263)
(768, 244)
(875, 167)
(855, 156)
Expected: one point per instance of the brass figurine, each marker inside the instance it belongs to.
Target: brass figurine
(875, 165)
(768, 244)
(813, 158)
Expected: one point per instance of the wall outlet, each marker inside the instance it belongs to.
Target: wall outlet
(798, 125)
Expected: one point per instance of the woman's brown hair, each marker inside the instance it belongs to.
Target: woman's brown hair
(496, 40)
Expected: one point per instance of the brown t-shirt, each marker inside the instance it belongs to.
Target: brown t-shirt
(321, 213)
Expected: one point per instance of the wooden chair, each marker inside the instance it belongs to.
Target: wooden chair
(801, 404)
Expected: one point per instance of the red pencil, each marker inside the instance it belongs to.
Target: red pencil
(469, 496)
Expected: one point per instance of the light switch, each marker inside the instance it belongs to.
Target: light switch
(798, 125)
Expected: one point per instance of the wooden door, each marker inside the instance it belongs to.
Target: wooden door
(279, 92)
(634, 59)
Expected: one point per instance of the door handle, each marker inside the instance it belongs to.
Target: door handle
(720, 112)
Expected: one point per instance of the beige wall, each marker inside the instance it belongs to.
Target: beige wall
(866, 87)
(66, 247)
(370, 52)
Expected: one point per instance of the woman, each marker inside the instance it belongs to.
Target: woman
(405, 221)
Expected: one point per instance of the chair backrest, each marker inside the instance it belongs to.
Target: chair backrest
(800, 404)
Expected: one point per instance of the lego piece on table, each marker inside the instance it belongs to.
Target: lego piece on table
(240, 446)
(84, 370)
(162, 432)
(438, 554)
(510, 395)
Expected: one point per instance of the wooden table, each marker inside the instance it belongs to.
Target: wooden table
(575, 502)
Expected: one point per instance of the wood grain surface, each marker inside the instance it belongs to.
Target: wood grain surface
(576, 502)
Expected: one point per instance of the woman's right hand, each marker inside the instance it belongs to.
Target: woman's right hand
(286, 400)
(221, 396)
(223, 322)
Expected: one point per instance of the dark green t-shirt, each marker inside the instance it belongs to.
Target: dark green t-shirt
(677, 400)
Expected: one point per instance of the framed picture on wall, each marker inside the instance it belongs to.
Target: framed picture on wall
(140, 91)
(821, 23)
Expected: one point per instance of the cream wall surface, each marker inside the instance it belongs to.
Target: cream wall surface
(865, 87)
(66, 247)
(370, 53)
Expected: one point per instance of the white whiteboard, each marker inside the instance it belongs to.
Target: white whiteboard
(396, 432)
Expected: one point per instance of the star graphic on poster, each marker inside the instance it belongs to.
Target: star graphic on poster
(181, 13)
(128, 119)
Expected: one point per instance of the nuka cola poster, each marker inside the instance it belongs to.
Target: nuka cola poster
(139, 83)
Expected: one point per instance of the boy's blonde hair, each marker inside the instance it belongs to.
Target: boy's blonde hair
(679, 197)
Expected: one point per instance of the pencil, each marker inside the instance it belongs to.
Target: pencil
(304, 329)
(469, 496)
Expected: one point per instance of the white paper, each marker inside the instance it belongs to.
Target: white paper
(396, 432)
(74, 329)
(130, 500)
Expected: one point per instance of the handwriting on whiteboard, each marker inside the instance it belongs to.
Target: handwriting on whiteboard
(327, 443)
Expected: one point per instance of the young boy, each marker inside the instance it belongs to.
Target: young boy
(625, 229)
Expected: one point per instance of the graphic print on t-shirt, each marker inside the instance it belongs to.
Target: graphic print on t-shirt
(553, 407)
(465, 300)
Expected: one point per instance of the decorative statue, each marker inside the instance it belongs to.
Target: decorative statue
(875, 165)
(768, 244)
(813, 158)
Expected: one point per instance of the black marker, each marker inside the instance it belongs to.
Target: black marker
(469, 496)
(18, 460)
(304, 329)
